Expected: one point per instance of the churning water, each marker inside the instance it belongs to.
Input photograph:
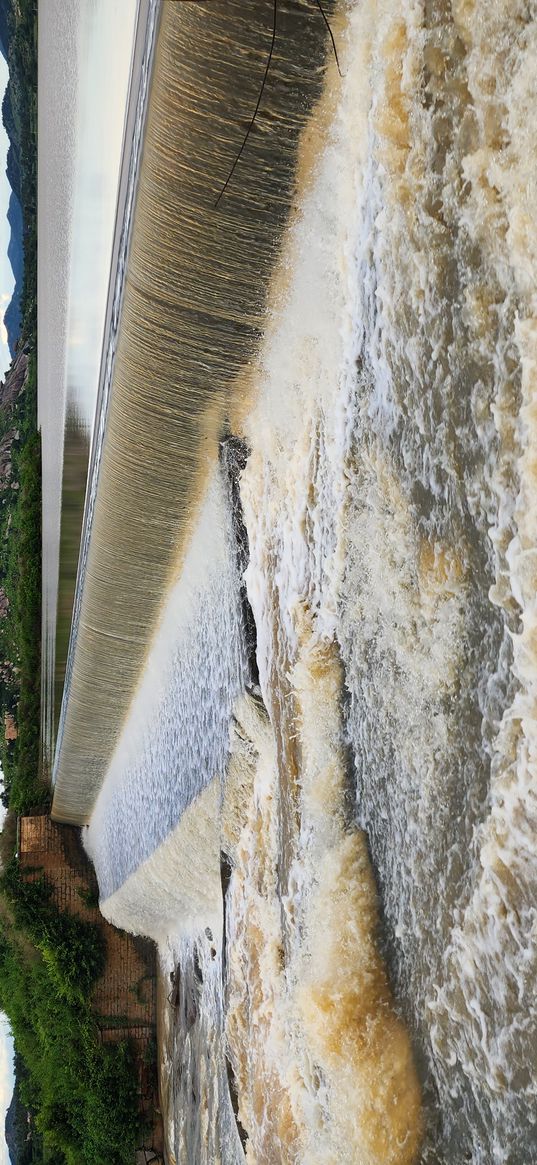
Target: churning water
(364, 792)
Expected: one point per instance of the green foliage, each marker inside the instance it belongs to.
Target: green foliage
(49, 962)
(8, 838)
(20, 510)
(71, 948)
(73, 952)
(20, 631)
(112, 1125)
(89, 895)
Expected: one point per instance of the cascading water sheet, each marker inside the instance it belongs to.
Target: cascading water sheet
(374, 800)
(174, 742)
(191, 317)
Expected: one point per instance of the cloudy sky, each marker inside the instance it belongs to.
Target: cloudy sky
(7, 283)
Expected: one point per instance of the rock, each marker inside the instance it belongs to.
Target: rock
(15, 380)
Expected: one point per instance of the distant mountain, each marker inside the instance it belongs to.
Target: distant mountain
(12, 315)
(13, 170)
(16, 1130)
(15, 252)
(10, 1128)
(15, 249)
(4, 28)
(19, 1129)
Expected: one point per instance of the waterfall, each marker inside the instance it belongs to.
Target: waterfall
(334, 849)
(192, 311)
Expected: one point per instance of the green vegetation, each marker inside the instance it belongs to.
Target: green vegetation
(20, 487)
(89, 896)
(20, 629)
(49, 962)
(71, 948)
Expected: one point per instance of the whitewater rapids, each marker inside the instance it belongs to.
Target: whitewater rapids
(375, 797)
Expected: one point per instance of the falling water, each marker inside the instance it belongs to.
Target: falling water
(174, 743)
(192, 312)
(85, 53)
(364, 792)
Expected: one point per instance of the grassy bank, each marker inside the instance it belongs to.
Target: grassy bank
(20, 507)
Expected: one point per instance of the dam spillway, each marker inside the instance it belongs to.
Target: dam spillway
(84, 82)
(193, 303)
(363, 798)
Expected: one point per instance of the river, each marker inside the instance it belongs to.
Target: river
(300, 725)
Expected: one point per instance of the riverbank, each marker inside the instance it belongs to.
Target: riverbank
(80, 997)
(20, 484)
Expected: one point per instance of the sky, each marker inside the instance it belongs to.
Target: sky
(7, 281)
(7, 284)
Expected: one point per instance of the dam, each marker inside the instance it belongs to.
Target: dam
(297, 718)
